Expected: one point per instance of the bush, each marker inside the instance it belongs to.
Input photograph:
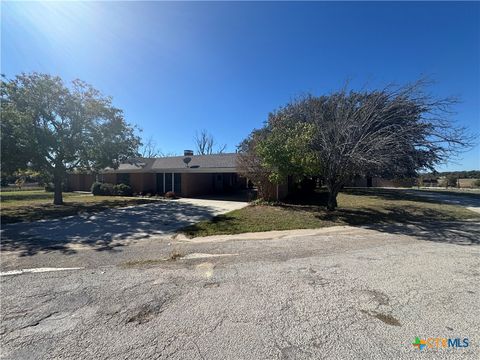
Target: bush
(170, 195)
(122, 190)
(476, 183)
(96, 188)
(102, 189)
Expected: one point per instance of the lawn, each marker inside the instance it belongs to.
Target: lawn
(356, 207)
(37, 204)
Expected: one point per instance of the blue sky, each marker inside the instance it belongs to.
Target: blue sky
(175, 68)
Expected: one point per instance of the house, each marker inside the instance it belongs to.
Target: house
(188, 176)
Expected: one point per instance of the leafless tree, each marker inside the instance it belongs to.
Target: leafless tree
(150, 149)
(221, 149)
(205, 143)
(393, 131)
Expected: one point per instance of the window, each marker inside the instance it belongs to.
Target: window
(177, 183)
(123, 179)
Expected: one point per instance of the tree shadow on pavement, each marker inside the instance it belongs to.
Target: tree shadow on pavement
(101, 231)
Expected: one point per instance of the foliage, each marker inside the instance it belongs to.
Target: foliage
(287, 150)
(52, 128)
(468, 174)
(122, 190)
(452, 180)
(476, 183)
(250, 164)
(103, 189)
(395, 131)
(96, 188)
(170, 195)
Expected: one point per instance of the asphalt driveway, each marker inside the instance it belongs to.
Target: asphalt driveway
(110, 228)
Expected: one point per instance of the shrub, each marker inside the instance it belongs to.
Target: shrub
(122, 190)
(96, 188)
(476, 183)
(170, 195)
(102, 189)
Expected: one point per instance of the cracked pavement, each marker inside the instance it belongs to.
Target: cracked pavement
(336, 293)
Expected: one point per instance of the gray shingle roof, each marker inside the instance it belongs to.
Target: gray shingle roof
(211, 162)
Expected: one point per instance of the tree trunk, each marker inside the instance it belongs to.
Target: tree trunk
(332, 200)
(333, 190)
(57, 185)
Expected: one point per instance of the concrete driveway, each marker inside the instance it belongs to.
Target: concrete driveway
(337, 293)
(110, 228)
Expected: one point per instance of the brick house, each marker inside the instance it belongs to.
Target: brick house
(188, 176)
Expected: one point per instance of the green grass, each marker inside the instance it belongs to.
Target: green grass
(356, 207)
(33, 205)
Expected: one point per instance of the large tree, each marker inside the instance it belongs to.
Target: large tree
(395, 131)
(50, 127)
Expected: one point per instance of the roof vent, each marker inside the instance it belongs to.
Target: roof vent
(187, 152)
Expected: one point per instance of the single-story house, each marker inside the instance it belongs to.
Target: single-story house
(188, 176)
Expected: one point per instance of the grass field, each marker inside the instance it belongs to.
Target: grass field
(356, 207)
(37, 204)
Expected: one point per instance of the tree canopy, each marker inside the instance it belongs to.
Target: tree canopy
(395, 131)
(50, 127)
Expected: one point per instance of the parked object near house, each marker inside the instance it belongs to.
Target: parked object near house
(186, 176)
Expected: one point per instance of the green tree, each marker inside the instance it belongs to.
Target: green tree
(52, 128)
(286, 151)
(395, 131)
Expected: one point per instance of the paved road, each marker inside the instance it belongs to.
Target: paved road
(338, 293)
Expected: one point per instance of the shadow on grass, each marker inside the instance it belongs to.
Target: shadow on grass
(435, 197)
(101, 231)
(421, 222)
(430, 223)
(424, 224)
(222, 223)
